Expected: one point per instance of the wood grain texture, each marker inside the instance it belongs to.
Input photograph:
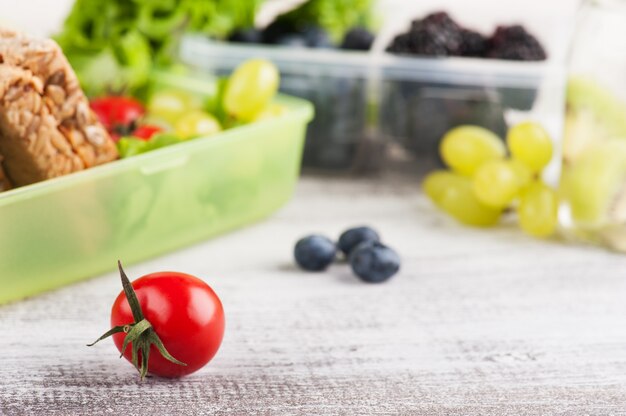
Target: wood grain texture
(477, 323)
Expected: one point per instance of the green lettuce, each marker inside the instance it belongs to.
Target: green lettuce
(132, 146)
(114, 44)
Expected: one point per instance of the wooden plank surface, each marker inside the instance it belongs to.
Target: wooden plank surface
(477, 323)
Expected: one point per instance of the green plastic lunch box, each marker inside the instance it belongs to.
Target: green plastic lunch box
(70, 228)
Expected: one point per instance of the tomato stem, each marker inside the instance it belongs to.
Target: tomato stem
(139, 334)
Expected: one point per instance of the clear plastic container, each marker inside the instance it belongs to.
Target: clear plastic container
(594, 146)
(342, 136)
(70, 228)
(421, 99)
(367, 100)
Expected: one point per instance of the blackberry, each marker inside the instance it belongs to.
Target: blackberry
(440, 19)
(515, 43)
(473, 44)
(435, 35)
(399, 44)
(358, 38)
(419, 42)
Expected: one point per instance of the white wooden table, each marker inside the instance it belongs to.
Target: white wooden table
(477, 323)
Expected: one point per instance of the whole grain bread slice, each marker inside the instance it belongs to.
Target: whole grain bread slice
(46, 126)
(5, 185)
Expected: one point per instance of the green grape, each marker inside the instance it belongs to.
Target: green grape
(251, 88)
(170, 105)
(498, 183)
(538, 209)
(464, 149)
(438, 183)
(523, 172)
(197, 123)
(453, 194)
(530, 144)
(272, 111)
(594, 185)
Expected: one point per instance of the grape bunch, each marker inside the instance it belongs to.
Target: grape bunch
(246, 96)
(485, 181)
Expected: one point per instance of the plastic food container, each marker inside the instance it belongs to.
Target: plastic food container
(74, 227)
(341, 137)
(366, 101)
(421, 99)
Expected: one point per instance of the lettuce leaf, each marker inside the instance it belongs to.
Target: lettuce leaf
(131, 146)
(114, 44)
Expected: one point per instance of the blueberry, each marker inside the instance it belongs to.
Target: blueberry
(315, 253)
(358, 38)
(374, 262)
(355, 236)
(246, 36)
(292, 40)
(316, 37)
(277, 30)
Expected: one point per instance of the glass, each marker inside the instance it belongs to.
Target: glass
(594, 145)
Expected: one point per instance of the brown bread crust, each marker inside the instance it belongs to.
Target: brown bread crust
(5, 185)
(46, 126)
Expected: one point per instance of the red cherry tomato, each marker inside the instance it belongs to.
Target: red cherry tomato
(102, 108)
(126, 110)
(186, 315)
(117, 114)
(146, 131)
